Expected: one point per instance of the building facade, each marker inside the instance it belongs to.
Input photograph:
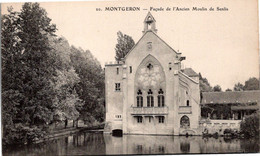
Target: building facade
(148, 92)
(226, 110)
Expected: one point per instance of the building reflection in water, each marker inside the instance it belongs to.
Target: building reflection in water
(185, 147)
(100, 144)
(146, 144)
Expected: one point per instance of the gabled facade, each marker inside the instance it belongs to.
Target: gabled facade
(148, 92)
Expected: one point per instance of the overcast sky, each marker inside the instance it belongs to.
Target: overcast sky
(221, 45)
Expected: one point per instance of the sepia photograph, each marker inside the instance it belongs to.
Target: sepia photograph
(130, 77)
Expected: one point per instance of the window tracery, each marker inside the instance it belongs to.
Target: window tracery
(139, 98)
(149, 79)
(150, 100)
(160, 98)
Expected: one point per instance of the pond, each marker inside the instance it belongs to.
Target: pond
(99, 144)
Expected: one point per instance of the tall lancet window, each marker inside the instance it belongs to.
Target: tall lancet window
(150, 101)
(139, 98)
(160, 98)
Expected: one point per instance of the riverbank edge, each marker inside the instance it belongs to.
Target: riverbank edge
(71, 131)
(200, 135)
(63, 133)
(56, 135)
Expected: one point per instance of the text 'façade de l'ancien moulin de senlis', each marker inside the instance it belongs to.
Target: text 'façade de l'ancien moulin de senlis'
(188, 9)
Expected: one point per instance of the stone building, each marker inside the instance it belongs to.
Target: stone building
(148, 92)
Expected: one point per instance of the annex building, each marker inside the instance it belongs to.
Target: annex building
(226, 110)
(148, 92)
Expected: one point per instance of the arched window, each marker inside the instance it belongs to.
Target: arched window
(185, 122)
(150, 101)
(160, 98)
(139, 98)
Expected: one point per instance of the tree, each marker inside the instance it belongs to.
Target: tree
(204, 84)
(217, 88)
(27, 73)
(66, 101)
(44, 79)
(238, 87)
(123, 46)
(10, 50)
(60, 51)
(38, 69)
(91, 88)
(252, 84)
(10, 57)
(228, 90)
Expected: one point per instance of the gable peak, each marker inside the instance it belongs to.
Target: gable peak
(149, 23)
(149, 18)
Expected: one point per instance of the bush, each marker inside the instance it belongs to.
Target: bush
(21, 134)
(250, 126)
(227, 131)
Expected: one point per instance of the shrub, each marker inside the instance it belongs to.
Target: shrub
(250, 126)
(227, 131)
(21, 134)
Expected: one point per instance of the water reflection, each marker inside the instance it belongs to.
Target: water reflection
(185, 147)
(99, 144)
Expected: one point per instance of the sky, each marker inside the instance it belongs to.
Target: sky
(221, 45)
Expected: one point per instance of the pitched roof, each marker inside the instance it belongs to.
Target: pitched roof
(248, 107)
(149, 15)
(231, 97)
(142, 38)
(190, 78)
(190, 72)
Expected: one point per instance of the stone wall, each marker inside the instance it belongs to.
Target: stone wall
(114, 98)
(218, 126)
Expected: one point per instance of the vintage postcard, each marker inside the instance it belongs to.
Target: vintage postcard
(130, 77)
